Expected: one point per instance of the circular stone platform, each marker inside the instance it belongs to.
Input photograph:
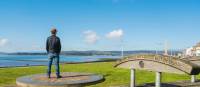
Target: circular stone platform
(69, 79)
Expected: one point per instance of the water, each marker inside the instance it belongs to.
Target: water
(30, 60)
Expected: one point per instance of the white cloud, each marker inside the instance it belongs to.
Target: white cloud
(115, 34)
(3, 42)
(90, 37)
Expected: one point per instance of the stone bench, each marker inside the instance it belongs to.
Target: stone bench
(158, 64)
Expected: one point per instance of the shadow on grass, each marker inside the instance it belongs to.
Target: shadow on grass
(162, 85)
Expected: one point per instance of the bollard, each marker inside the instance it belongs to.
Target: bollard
(132, 78)
(193, 78)
(158, 79)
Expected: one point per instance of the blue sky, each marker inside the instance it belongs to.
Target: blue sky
(87, 24)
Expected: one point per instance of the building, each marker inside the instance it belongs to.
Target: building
(189, 51)
(196, 49)
(193, 51)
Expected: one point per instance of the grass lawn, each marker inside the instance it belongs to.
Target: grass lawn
(113, 76)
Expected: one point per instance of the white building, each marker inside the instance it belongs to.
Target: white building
(193, 51)
(189, 51)
(196, 50)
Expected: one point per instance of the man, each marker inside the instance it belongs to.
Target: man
(53, 47)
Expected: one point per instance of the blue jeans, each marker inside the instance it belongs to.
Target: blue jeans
(53, 57)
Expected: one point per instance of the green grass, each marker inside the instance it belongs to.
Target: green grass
(113, 76)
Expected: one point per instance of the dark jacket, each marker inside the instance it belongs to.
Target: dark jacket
(53, 44)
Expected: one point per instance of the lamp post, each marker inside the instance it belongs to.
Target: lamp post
(122, 47)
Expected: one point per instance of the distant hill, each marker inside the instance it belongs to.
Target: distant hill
(89, 53)
(3, 53)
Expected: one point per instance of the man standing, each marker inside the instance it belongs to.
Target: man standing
(53, 47)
